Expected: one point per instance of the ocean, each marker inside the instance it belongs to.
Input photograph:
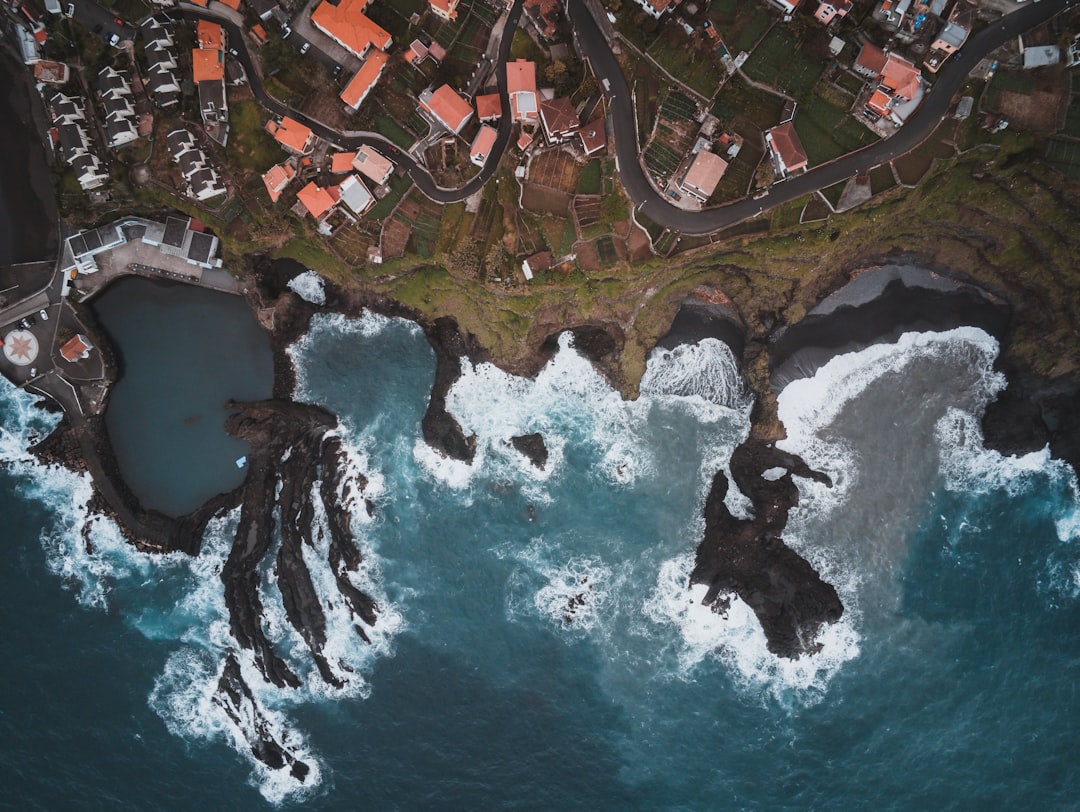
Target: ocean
(950, 682)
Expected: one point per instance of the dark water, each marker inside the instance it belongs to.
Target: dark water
(185, 351)
(950, 683)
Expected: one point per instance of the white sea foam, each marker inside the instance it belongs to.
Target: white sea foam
(309, 286)
(735, 638)
(707, 371)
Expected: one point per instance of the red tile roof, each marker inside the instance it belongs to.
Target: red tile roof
(361, 84)
(559, 117)
(75, 349)
(277, 179)
(593, 136)
(347, 24)
(210, 35)
(871, 59)
(787, 145)
(445, 8)
(207, 65)
(484, 141)
(488, 106)
(317, 200)
(342, 162)
(448, 107)
(291, 134)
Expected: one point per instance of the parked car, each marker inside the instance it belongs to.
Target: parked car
(114, 40)
(71, 10)
(305, 47)
(44, 314)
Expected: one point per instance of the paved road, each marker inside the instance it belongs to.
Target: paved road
(916, 130)
(351, 141)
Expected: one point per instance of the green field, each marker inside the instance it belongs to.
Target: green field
(589, 180)
(781, 61)
(828, 131)
(394, 131)
(738, 99)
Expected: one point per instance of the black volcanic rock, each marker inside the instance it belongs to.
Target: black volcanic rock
(441, 431)
(748, 557)
(533, 447)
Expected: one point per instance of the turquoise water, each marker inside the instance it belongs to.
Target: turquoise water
(184, 352)
(949, 683)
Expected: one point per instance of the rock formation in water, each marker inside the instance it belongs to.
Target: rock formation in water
(234, 697)
(533, 447)
(748, 557)
(441, 431)
(293, 456)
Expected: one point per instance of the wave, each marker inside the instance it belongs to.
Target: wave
(309, 286)
(707, 371)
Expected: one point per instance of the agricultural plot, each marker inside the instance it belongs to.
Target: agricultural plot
(672, 136)
(781, 61)
(1065, 156)
(555, 169)
(1072, 119)
(589, 179)
(737, 100)
(692, 59)
(544, 200)
(881, 179)
(587, 210)
(911, 168)
(827, 131)
(351, 242)
(530, 236)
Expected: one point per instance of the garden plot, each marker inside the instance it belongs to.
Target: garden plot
(673, 135)
(555, 169)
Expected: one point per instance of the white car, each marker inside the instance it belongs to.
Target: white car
(44, 314)
(114, 39)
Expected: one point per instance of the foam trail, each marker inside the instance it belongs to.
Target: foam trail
(707, 370)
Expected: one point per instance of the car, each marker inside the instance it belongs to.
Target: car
(286, 32)
(22, 324)
(114, 40)
(118, 21)
(337, 70)
(71, 10)
(305, 47)
(44, 314)
(233, 52)
(33, 372)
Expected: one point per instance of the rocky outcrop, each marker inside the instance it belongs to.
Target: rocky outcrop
(748, 557)
(533, 447)
(234, 697)
(441, 431)
(286, 439)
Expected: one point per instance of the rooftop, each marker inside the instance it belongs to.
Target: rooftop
(207, 65)
(360, 85)
(291, 134)
(210, 35)
(786, 144)
(317, 200)
(347, 24)
(277, 179)
(705, 172)
(488, 106)
(372, 164)
(447, 106)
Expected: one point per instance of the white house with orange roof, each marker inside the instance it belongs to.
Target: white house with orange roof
(657, 8)
(293, 136)
(445, 9)
(317, 201)
(361, 84)
(447, 107)
(786, 149)
(702, 176)
(373, 165)
(829, 10)
(482, 145)
(521, 87)
(348, 26)
(277, 178)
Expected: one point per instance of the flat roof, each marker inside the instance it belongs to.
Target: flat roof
(174, 231)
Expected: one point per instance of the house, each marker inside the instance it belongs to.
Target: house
(657, 8)
(348, 26)
(200, 177)
(73, 142)
(447, 107)
(593, 136)
(831, 10)
(207, 65)
(258, 33)
(870, 61)
(417, 53)
(211, 36)
(361, 84)
(536, 263)
(444, 9)
(263, 9)
(952, 37)
(544, 15)
(120, 123)
(373, 165)
(786, 6)
(559, 118)
(293, 136)
(482, 145)
(524, 141)
(51, 73)
(76, 349)
(214, 108)
(900, 78)
(317, 201)
(162, 77)
(1040, 56)
(489, 107)
(277, 178)
(521, 88)
(354, 194)
(704, 173)
(786, 149)
(342, 162)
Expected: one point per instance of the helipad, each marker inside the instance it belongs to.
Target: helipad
(20, 347)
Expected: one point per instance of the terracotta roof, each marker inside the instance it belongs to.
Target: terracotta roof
(447, 7)
(259, 33)
(277, 179)
(360, 85)
(524, 140)
(520, 76)
(484, 141)
(76, 348)
(705, 172)
(417, 51)
(879, 102)
(291, 134)
(317, 200)
(559, 116)
(488, 106)
(342, 162)
(593, 136)
(787, 145)
(347, 24)
(545, 15)
(871, 58)
(447, 106)
(372, 164)
(900, 76)
(210, 35)
(207, 65)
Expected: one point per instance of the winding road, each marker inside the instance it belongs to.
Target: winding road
(594, 47)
